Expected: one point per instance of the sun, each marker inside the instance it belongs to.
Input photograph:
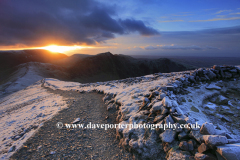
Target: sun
(61, 49)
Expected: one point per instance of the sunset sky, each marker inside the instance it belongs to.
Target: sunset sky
(134, 27)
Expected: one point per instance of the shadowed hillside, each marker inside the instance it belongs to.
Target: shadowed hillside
(9, 60)
(106, 66)
(13, 58)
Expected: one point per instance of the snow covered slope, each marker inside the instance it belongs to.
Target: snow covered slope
(22, 113)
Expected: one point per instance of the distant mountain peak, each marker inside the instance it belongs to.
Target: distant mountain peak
(106, 54)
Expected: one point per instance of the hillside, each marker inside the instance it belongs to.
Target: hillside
(106, 66)
(9, 60)
(13, 58)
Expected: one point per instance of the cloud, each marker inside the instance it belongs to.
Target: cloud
(177, 47)
(132, 25)
(221, 11)
(234, 13)
(38, 23)
(171, 21)
(183, 15)
(217, 19)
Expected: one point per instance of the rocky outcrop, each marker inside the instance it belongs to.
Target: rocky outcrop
(159, 107)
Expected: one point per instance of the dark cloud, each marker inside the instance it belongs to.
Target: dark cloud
(136, 25)
(42, 22)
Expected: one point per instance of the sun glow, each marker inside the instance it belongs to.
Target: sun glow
(62, 49)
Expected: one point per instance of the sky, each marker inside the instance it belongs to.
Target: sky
(133, 27)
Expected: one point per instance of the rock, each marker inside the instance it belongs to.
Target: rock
(174, 103)
(182, 135)
(230, 141)
(213, 86)
(210, 106)
(226, 119)
(40, 115)
(167, 102)
(233, 70)
(214, 140)
(190, 145)
(179, 120)
(218, 116)
(220, 132)
(170, 87)
(177, 155)
(108, 97)
(146, 100)
(211, 75)
(172, 110)
(168, 135)
(161, 96)
(156, 107)
(222, 100)
(164, 110)
(159, 118)
(111, 106)
(217, 67)
(183, 145)
(196, 135)
(200, 156)
(12, 149)
(226, 112)
(229, 151)
(169, 119)
(227, 75)
(207, 129)
(202, 148)
(192, 79)
(225, 108)
(76, 121)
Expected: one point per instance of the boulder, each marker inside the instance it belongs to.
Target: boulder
(229, 151)
(222, 100)
(191, 79)
(210, 106)
(169, 119)
(178, 120)
(167, 102)
(183, 145)
(196, 135)
(211, 75)
(200, 156)
(161, 96)
(190, 145)
(182, 135)
(178, 155)
(164, 110)
(214, 140)
(168, 135)
(216, 67)
(156, 107)
(207, 129)
(202, 148)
